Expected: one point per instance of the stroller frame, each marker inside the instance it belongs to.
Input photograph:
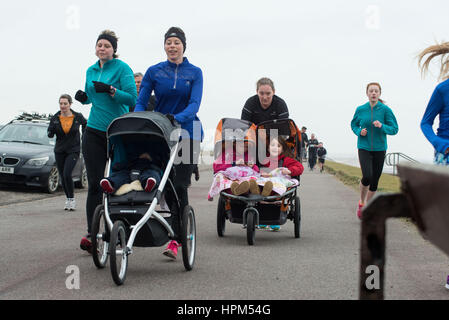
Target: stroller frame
(250, 215)
(123, 233)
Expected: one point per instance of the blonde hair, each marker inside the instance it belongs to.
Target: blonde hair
(432, 52)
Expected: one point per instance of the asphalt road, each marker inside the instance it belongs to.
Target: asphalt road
(40, 241)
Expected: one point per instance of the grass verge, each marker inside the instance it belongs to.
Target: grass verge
(351, 176)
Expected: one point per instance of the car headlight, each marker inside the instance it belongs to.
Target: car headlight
(37, 162)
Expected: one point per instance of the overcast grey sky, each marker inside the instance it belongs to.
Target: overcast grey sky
(320, 55)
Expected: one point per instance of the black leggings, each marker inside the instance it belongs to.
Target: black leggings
(95, 157)
(65, 163)
(184, 166)
(371, 163)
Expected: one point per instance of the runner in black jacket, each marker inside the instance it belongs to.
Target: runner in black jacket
(65, 124)
(265, 105)
(321, 152)
(312, 144)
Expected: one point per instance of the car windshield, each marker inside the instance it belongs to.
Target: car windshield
(26, 133)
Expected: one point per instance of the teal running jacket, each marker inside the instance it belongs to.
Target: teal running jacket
(104, 107)
(376, 138)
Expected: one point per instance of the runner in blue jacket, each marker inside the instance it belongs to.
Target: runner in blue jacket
(438, 106)
(178, 86)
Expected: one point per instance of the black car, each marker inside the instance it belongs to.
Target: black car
(27, 157)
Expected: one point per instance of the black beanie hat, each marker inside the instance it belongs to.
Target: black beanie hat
(178, 33)
(110, 38)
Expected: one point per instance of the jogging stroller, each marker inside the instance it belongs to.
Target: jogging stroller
(252, 210)
(128, 220)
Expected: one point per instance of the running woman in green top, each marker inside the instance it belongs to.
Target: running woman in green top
(371, 124)
(111, 90)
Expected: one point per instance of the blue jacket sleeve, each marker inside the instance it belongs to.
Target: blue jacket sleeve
(189, 113)
(146, 87)
(391, 125)
(434, 107)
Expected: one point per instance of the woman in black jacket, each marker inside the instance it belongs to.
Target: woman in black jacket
(66, 126)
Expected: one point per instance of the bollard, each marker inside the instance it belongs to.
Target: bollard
(423, 198)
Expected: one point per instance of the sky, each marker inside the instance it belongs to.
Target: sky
(320, 55)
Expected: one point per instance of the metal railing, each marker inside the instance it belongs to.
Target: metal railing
(392, 159)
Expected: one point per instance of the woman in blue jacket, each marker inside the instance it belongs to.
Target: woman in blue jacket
(111, 90)
(178, 86)
(371, 124)
(438, 105)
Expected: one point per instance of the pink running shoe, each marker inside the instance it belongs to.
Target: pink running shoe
(107, 186)
(172, 249)
(151, 182)
(359, 210)
(86, 243)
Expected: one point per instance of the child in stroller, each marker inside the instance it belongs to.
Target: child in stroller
(141, 172)
(236, 166)
(280, 168)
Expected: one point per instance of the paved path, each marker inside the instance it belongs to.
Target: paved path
(39, 241)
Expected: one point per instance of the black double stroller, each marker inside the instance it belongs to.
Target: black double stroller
(122, 222)
(252, 210)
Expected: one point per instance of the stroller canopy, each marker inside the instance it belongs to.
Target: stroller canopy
(230, 130)
(150, 130)
(145, 122)
(285, 128)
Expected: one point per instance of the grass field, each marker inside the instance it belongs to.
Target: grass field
(351, 176)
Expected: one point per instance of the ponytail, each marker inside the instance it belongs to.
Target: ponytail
(432, 52)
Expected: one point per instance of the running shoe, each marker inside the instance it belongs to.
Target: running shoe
(151, 182)
(275, 228)
(447, 283)
(72, 204)
(262, 226)
(359, 210)
(172, 249)
(67, 204)
(107, 186)
(86, 244)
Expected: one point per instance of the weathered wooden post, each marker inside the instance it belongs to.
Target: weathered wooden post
(424, 197)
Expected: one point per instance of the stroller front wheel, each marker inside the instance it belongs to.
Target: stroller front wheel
(221, 217)
(251, 227)
(100, 243)
(188, 237)
(118, 253)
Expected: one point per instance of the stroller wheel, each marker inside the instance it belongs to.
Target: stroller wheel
(251, 227)
(297, 217)
(188, 237)
(118, 253)
(100, 241)
(221, 217)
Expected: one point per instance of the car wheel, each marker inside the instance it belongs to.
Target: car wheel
(52, 181)
(82, 183)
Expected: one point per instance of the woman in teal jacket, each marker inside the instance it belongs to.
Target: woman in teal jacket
(111, 90)
(371, 124)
